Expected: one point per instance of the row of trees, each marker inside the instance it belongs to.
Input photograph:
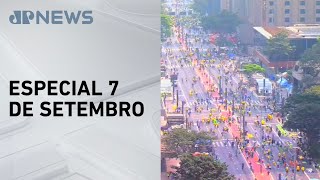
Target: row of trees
(181, 144)
(166, 26)
(310, 63)
(224, 22)
(303, 109)
(303, 114)
(182, 141)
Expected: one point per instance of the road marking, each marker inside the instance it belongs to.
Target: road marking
(306, 175)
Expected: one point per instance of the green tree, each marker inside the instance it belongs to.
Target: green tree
(182, 141)
(201, 167)
(309, 81)
(166, 26)
(303, 114)
(200, 6)
(314, 90)
(250, 69)
(225, 22)
(279, 48)
(310, 60)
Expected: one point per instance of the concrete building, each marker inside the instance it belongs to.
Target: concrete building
(225, 5)
(240, 7)
(273, 12)
(281, 12)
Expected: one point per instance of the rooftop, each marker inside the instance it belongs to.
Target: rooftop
(298, 31)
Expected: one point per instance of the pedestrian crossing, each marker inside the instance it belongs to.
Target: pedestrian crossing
(203, 103)
(222, 144)
(211, 102)
(177, 66)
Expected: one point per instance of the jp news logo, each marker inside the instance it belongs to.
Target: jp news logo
(51, 17)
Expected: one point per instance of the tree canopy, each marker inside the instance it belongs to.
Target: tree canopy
(310, 60)
(200, 6)
(279, 48)
(315, 90)
(201, 167)
(303, 114)
(253, 68)
(225, 22)
(182, 141)
(166, 25)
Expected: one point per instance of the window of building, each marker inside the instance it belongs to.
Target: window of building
(287, 11)
(318, 19)
(302, 3)
(270, 11)
(271, 3)
(318, 11)
(302, 11)
(302, 19)
(270, 20)
(286, 19)
(287, 3)
(318, 3)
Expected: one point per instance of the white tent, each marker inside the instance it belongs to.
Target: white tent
(268, 86)
(166, 86)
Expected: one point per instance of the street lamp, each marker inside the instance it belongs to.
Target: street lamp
(226, 98)
(232, 102)
(243, 113)
(220, 88)
(295, 159)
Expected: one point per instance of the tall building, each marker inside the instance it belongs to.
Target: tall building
(282, 12)
(275, 12)
(240, 7)
(225, 5)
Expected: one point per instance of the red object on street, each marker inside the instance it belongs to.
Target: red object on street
(196, 154)
(213, 38)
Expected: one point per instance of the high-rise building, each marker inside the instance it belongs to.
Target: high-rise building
(280, 12)
(275, 12)
(225, 5)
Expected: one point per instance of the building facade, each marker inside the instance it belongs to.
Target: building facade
(283, 12)
(274, 12)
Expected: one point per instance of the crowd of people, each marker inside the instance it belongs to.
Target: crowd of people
(213, 69)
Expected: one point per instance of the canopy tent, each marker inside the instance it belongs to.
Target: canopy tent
(166, 86)
(267, 88)
(285, 84)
